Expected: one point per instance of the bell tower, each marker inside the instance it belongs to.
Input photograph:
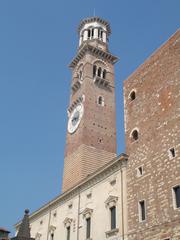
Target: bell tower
(91, 130)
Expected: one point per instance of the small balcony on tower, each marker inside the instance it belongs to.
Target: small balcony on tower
(101, 82)
(100, 77)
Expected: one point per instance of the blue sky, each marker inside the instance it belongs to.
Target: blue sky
(38, 40)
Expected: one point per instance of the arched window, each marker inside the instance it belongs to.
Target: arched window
(80, 75)
(100, 33)
(94, 70)
(92, 32)
(104, 73)
(99, 72)
(132, 95)
(100, 101)
(89, 33)
(135, 135)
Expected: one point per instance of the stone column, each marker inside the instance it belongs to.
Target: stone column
(85, 35)
(80, 40)
(104, 37)
(96, 33)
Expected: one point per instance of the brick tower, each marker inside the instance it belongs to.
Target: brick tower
(91, 131)
(152, 128)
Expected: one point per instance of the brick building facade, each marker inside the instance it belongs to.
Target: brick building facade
(152, 129)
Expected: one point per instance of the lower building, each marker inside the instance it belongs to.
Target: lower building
(91, 210)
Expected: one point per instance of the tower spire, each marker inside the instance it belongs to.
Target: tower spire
(94, 13)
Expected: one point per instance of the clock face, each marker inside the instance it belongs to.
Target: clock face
(75, 118)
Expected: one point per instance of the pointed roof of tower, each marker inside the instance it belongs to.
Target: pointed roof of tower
(24, 229)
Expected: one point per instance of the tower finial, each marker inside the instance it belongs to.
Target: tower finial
(26, 211)
(24, 229)
(94, 13)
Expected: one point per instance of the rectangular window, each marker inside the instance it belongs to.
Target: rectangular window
(172, 153)
(88, 228)
(139, 171)
(142, 211)
(92, 32)
(68, 233)
(113, 217)
(176, 191)
(89, 33)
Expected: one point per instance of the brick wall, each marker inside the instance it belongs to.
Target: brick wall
(155, 113)
(94, 142)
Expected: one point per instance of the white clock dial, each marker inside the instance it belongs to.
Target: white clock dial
(75, 118)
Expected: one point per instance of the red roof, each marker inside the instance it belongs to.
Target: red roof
(4, 230)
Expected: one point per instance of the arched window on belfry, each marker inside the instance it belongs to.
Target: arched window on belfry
(94, 70)
(104, 73)
(99, 71)
(100, 33)
(89, 33)
(92, 32)
(80, 75)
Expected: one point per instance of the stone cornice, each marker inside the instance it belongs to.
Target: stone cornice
(95, 51)
(87, 212)
(111, 201)
(52, 228)
(95, 19)
(108, 169)
(67, 222)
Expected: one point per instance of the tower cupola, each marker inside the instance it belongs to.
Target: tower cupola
(94, 30)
